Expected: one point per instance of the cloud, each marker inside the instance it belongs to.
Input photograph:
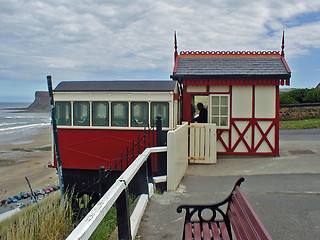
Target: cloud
(115, 39)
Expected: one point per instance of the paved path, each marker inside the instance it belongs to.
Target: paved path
(284, 191)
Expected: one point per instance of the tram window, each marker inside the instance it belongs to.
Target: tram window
(161, 108)
(139, 114)
(100, 113)
(63, 113)
(81, 114)
(119, 114)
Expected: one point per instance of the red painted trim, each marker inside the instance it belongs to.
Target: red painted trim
(230, 119)
(176, 96)
(186, 106)
(219, 138)
(264, 137)
(253, 114)
(277, 121)
(176, 64)
(241, 137)
(233, 82)
(230, 53)
(286, 65)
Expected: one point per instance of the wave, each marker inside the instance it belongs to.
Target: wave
(29, 126)
(10, 124)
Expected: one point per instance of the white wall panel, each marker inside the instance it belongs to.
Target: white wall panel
(241, 102)
(265, 101)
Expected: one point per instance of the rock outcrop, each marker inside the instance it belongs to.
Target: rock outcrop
(41, 102)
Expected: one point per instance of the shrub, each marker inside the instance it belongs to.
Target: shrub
(297, 96)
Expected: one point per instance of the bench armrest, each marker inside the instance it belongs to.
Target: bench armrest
(193, 209)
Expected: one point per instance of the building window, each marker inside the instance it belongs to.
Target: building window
(100, 114)
(119, 114)
(139, 114)
(81, 114)
(160, 108)
(220, 105)
(63, 113)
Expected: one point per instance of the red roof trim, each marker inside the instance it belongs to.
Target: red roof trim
(286, 65)
(176, 64)
(230, 53)
(236, 82)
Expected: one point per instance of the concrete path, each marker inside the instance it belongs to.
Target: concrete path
(284, 191)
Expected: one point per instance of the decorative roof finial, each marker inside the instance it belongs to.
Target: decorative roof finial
(282, 46)
(175, 46)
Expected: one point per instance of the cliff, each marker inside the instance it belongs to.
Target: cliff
(41, 102)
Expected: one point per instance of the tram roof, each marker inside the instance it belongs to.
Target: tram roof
(116, 86)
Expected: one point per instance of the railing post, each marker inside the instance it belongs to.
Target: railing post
(161, 157)
(101, 175)
(123, 216)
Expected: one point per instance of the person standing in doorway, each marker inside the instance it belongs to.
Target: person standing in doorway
(203, 114)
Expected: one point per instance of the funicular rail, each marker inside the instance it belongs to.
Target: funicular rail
(118, 193)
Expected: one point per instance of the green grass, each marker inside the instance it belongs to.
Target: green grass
(53, 222)
(300, 124)
(42, 149)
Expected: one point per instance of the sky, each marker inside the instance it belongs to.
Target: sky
(123, 40)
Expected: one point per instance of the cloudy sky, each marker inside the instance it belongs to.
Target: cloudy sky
(116, 39)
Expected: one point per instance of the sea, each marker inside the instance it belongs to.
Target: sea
(16, 126)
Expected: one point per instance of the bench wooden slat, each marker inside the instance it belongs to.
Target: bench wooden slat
(188, 231)
(215, 231)
(206, 231)
(224, 231)
(251, 214)
(197, 230)
(240, 215)
(240, 222)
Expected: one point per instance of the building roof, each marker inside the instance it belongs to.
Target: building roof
(105, 86)
(231, 64)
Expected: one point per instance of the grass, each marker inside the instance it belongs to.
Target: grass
(42, 149)
(300, 124)
(53, 222)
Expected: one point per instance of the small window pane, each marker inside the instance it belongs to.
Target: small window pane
(215, 110)
(119, 114)
(224, 100)
(100, 113)
(158, 108)
(215, 120)
(63, 113)
(81, 114)
(223, 121)
(215, 100)
(224, 111)
(139, 114)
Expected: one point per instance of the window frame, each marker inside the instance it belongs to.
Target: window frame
(88, 114)
(57, 103)
(93, 111)
(113, 103)
(219, 115)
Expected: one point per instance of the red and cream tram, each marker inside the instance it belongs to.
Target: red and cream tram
(97, 121)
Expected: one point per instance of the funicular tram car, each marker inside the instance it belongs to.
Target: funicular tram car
(97, 122)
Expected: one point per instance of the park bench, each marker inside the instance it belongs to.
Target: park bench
(211, 222)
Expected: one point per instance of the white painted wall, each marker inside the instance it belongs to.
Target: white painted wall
(265, 101)
(242, 101)
(177, 155)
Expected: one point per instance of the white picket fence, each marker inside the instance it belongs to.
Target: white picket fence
(202, 143)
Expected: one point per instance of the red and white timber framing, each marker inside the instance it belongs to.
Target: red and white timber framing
(254, 115)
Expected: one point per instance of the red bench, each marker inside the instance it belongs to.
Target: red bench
(239, 218)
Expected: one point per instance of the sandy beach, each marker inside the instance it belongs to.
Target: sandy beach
(15, 165)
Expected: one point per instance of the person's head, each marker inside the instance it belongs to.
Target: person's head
(200, 106)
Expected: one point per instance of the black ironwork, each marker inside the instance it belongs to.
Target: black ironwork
(191, 210)
(55, 136)
(123, 215)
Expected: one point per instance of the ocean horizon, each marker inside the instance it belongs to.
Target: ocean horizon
(17, 125)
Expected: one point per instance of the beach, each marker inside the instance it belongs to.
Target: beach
(20, 159)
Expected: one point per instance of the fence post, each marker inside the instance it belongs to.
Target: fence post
(101, 174)
(161, 157)
(123, 216)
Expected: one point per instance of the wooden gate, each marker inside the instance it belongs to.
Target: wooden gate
(202, 143)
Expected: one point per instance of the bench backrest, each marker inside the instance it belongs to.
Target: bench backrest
(244, 221)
